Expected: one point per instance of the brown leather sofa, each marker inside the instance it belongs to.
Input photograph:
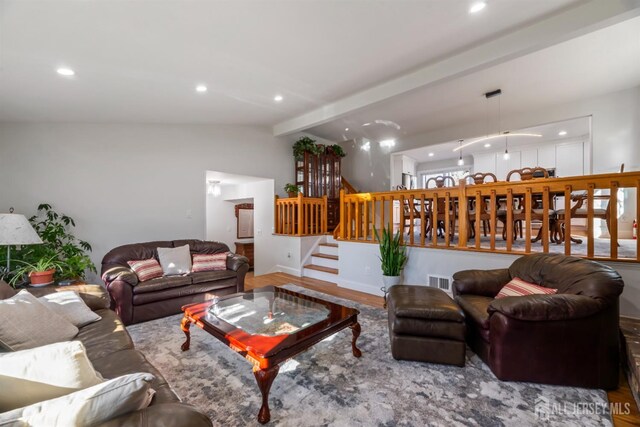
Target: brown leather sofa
(570, 338)
(136, 301)
(110, 349)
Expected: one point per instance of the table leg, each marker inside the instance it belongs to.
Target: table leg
(355, 328)
(185, 325)
(265, 378)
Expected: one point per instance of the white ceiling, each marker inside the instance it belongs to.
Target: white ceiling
(139, 61)
(575, 128)
(597, 63)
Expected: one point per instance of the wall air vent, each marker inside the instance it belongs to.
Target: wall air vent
(439, 282)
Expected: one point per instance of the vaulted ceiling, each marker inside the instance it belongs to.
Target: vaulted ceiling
(332, 62)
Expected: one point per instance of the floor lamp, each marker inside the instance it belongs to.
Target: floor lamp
(16, 230)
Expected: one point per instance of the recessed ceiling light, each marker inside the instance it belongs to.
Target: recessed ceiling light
(431, 154)
(346, 129)
(477, 7)
(562, 133)
(487, 145)
(388, 143)
(278, 98)
(201, 88)
(65, 72)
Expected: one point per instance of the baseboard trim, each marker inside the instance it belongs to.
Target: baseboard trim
(361, 287)
(288, 270)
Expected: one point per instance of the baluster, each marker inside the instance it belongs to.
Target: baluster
(365, 222)
(567, 220)
(545, 219)
(590, 230)
(528, 205)
(343, 223)
(509, 219)
(411, 218)
(493, 219)
(373, 217)
(434, 225)
(358, 219)
(401, 218)
(382, 202)
(613, 219)
(447, 217)
(478, 209)
(391, 200)
(423, 225)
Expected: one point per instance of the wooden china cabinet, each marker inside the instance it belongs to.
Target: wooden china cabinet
(319, 175)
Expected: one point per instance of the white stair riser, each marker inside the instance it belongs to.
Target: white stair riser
(324, 262)
(330, 239)
(329, 250)
(320, 275)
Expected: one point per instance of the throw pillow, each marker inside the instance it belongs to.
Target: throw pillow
(518, 287)
(70, 306)
(6, 291)
(175, 261)
(44, 373)
(89, 407)
(146, 269)
(202, 262)
(27, 323)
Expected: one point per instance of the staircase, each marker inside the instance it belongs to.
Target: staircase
(324, 262)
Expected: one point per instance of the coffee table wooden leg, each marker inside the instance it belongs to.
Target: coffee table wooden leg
(265, 378)
(185, 325)
(355, 328)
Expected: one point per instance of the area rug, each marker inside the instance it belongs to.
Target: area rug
(327, 386)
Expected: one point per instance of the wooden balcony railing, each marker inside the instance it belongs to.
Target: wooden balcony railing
(301, 216)
(436, 218)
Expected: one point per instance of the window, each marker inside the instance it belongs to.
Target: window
(456, 174)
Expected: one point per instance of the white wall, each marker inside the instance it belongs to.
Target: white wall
(125, 183)
(615, 133)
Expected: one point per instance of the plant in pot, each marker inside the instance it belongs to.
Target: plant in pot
(336, 150)
(393, 257)
(39, 273)
(59, 245)
(305, 145)
(292, 190)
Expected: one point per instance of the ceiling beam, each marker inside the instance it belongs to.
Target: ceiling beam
(571, 23)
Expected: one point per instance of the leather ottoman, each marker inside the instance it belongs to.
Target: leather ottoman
(425, 325)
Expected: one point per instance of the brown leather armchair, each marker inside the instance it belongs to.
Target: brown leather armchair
(570, 338)
(136, 301)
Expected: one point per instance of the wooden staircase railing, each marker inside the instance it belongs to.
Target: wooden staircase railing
(347, 188)
(301, 216)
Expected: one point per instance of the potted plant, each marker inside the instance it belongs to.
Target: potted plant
(40, 273)
(305, 144)
(336, 150)
(292, 190)
(393, 257)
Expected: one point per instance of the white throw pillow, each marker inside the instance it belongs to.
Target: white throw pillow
(26, 323)
(70, 306)
(175, 261)
(91, 406)
(42, 373)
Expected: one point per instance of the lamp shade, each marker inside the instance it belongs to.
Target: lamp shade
(16, 230)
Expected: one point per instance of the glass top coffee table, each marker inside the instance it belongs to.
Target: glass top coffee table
(268, 326)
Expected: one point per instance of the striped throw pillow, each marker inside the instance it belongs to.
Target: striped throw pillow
(146, 269)
(206, 262)
(518, 288)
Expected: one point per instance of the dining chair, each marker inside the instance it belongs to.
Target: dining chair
(485, 208)
(441, 208)
(520, 212)
(406, 212)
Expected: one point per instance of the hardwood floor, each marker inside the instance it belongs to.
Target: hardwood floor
(622, 396)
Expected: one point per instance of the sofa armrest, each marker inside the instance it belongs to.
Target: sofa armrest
(95, 296)
(546, 307)
(235, 261)
(162, 415)
(122, 273)
(480, 282)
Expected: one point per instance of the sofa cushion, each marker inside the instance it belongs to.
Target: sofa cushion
(175, 261)
(43, 373)
(518, 288)
(70, 306)
(172, 293)
(105, 336)
(146, 269)
(89, 407)
(125, 362)
(422, 302)
(212, 276)
(161, 283)
(26, 323)
(475, 307)
(209, 262)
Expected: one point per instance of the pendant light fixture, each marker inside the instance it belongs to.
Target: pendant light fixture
(460, 160)
(506, 155)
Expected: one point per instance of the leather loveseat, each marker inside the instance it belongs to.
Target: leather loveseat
(568, 338)
(136, 301)
(111, 351)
